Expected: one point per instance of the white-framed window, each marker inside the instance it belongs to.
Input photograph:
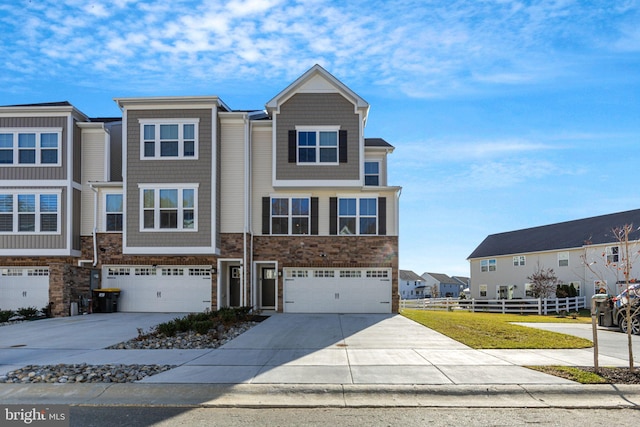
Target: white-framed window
(317, 144)
(600, 287)
(30, 213)
(612, 254)
(113, 212)
(168, 207)
(168, 139)
(483, 290)
(350, 274)
(357, 215)
(563, 259)
(577, 286)
(30, 147)
(528, 290)
(519, 260)
(372, 173)
(488, 265)
(290, 215)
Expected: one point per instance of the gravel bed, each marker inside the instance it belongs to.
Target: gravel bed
(118, 373)
(82, 373)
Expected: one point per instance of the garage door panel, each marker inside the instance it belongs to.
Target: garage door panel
(338, 290)
(24, 287)
(165, 289)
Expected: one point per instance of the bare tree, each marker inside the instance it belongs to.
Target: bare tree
(620, 264)
(543, 282)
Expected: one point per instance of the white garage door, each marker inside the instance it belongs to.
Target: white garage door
(312, 290)
(24, 287)
(163, 289)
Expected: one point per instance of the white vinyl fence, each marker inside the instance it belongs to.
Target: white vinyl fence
(531, 306)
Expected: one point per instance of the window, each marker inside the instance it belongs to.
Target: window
(290, 215)
(518, 261)
(372, 173)
(168, 208)
(30, 147)
(528, 290)
(169, 139)
(113, 208)
(488, 265)
(563, 259)
(317, 145)
(358, 216)
(612, 254)
(483, 290)
(30, 213)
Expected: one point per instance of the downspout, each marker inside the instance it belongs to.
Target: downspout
(95, 224)
(246, 211)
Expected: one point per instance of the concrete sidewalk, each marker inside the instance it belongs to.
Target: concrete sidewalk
(304, 360)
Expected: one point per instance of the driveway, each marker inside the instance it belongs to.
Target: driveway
(288, 349)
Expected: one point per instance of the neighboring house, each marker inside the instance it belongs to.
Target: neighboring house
(464, 281)
(583, 253)
(411, 285)
(441, 286)
(187, 205)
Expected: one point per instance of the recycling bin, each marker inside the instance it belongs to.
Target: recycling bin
(106, 300)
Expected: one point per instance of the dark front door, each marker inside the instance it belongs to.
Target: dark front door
(268, 288)
(234, 286)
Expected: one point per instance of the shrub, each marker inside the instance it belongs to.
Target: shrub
(28, 313)
(202, 327)
(169, 328)
(5, 315)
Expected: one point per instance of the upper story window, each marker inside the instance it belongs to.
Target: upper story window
(488, 265)
(113, 212)
(30, 147)
(30, 213)
(169, 139)
(372, 173)
(612, 254)
(317, 145)
(358, 216)
(290, 215)
(519, 260)
(563, 259)
(168, 207)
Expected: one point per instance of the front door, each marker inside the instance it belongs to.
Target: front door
(268, 290)
(234, 286)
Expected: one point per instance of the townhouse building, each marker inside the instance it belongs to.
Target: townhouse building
(187, 205)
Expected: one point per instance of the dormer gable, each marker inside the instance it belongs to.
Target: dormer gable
(318, 80)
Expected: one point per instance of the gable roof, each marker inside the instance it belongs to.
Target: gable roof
(327, 83)
(563, 235)
(409, 275)
(442, 278)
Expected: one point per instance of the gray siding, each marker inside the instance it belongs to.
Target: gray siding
(317, 109)
(37, 172)
(77, 206)
(56, 241)
(169, 171)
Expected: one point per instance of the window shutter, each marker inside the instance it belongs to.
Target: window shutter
(292, 146)
(382, 216)
(266, 215)
(314, 215)
(342, 146)
(333, 215)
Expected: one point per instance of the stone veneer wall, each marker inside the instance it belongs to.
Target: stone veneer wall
(67, 283)
(331, 252)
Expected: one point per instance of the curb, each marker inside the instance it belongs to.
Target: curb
(324, 396)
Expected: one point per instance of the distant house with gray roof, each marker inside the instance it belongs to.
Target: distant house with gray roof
(442, 286)
(411, 285)
(584, 253)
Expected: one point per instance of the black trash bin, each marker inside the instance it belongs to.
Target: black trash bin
(106, 300)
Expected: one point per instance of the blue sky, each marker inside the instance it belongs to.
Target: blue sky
(504, 114)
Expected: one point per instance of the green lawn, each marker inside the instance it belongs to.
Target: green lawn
(493, 330)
